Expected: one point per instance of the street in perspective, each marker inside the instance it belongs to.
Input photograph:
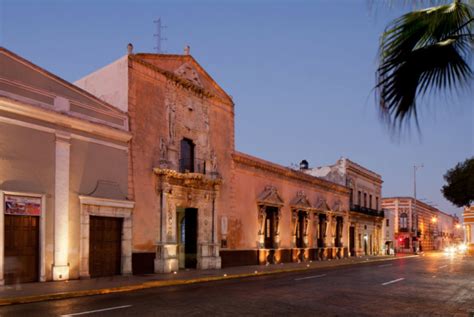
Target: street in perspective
(212, 158)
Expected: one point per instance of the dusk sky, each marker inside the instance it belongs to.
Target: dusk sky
(301, 75)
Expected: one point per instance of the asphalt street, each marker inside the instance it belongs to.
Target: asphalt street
(434, 285)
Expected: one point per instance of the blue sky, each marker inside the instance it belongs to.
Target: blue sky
(301, 74)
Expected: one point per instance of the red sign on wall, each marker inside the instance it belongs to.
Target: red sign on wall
(22, 205)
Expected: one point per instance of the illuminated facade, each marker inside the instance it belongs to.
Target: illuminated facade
(468, 219)
(199, 202)
(366, 217)
(417, 223)
(63, 169)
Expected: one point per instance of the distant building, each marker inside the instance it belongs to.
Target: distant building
(468, 219)
(418, 224)
(366, 216)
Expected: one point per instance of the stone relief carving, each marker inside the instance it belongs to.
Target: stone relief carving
(337, 206)
(261, 219)
(270, 196)
(316, 229)
(187, 72)
(172, 122)
(333, 226)
(322, 205)
(213, 162)
(306, 224)
(300, 201)
(163, 150)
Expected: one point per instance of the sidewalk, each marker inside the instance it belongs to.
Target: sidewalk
(35, 292)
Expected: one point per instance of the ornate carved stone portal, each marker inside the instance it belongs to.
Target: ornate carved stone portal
(179, 191)
(300, 210)
(269, 198)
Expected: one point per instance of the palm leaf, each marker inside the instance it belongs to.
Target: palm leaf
(422, 51)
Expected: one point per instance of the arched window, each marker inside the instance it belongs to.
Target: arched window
(404, 221)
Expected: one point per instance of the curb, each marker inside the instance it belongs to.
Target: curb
(164, 283)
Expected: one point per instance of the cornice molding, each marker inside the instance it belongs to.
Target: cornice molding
(247, 160)
(179, 81)
(19, 108)
(89, 200)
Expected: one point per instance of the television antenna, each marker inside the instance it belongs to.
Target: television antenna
(159, 36)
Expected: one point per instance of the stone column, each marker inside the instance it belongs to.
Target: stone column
(345, 232)
(261, 227)
(61, 208)
(316, 229)
(166, 259)
(294, 223)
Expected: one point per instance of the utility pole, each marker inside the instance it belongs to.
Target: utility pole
(414, 218)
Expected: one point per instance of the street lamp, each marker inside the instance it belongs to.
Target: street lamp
(415, 167)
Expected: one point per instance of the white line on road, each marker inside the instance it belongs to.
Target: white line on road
(442, 267)
(394, 281)
(308, 277)
(383, 265)
(97, 311)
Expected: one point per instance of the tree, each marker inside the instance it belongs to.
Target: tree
(460, 183)
(421, 51)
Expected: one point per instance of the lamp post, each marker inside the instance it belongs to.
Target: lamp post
(414, 219)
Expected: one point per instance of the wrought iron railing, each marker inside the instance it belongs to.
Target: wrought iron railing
(192, 166)
(368, 211)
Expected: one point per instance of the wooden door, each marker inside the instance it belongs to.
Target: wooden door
(190, 238)
(269, 228)
(300, 229)
(352, 241)
(21, 249)
(105, 246)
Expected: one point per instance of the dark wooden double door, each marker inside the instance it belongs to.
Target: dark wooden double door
(21, 249)
(105, 246)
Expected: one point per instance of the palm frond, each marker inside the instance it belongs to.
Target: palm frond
(422, 51)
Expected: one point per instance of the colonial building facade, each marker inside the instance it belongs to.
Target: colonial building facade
(199, 202)
(63, 179)
(419, 225)
(366, 217)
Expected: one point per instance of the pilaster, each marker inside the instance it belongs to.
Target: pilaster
(61, 207)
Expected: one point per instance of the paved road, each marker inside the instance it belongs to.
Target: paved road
(435, 285)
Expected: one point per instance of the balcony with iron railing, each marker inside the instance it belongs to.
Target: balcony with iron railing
(192, 166)
(368, 211)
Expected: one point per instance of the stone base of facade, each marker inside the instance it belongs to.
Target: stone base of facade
(166, 260)
(208, 257)
(60, 272)
(232, 258)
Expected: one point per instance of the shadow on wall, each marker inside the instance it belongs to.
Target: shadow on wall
(16, 185)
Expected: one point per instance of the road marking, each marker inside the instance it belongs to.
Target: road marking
(308, 277)
(383, 265)
(394, 281)
(442, 267)
(97, 311)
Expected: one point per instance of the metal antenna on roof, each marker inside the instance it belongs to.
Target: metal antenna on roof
(158, 35)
